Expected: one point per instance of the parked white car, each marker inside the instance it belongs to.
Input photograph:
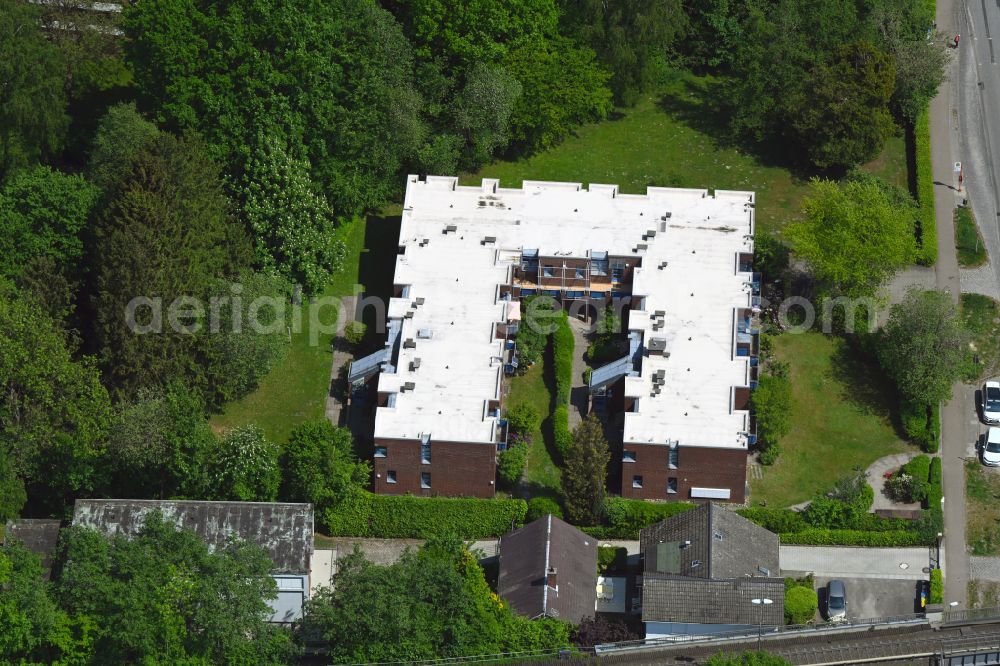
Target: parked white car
(991, 402)
(991, 449)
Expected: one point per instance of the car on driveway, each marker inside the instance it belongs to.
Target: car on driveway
(836, 601)
(991, 448)
(991, 402)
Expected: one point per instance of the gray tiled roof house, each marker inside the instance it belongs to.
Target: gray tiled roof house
(549, 568)
(705, 566)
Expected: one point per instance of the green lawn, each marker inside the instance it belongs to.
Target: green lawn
(968, 242)
(981, 316)
(982, 510)
(840, 419)
(671, 138)
(542, 475)
(296, 389)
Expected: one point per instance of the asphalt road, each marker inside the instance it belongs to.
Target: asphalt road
(978, 102)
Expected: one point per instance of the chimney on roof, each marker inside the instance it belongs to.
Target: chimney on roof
(550, 578)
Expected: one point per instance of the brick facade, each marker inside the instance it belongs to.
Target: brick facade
(696, 467)
(457, 469)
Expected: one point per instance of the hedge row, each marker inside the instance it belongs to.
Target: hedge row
(816, 536)
(626, 517)
(561, 435)
(562, 355)
(409, 517)
(788, 521)
(921, 423)
(927, 254)
(937, 587)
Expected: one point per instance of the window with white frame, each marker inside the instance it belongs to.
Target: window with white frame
(673, 457)
(390, 476)
(425, 453)
(637, 481)
(425, 479)
(381, 451)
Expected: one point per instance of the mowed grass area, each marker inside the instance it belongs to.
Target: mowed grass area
(673, 138)
(981, 317)
(542, 475)
(296, 388)
(841, 419)
(982, 509)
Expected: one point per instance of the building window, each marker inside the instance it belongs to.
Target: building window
(672, 485)
(425, 453)
(548, 271)
(673, 457)
(390, 476)
(637, 481)
(425, 479)
(580, 273)
(381, 452)
(617, 271)
(628, 456)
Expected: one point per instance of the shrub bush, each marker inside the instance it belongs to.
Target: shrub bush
(561, 434)
(769, 456)
(510, 465)
(354, 332)
(587, 374)
(925, 189)
(937, 587)
(522, 419)
(800, 605)
(562, 355)
(543, 506)
(626, 517)
(408, 517)
(920, 423)
(611, 560)
(778, 521)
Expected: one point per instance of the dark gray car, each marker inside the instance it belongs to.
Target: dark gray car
(836, 600)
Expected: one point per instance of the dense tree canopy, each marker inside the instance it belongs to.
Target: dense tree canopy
(845, 117)
(42, 215)
(165, 233)
(159, 445)
(54, 412)
(922, 346)
(33, 118)
(631, 37)
(855, 235)
(163, 598)
(437, 598)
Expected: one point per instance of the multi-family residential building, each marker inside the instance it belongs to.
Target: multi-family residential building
(677, 264)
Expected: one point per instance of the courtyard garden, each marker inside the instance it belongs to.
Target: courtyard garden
(841, 419)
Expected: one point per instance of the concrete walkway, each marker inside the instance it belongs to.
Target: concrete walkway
(335, 406)
(579, 394)
(876, 479)
(846, 562)
(944, 139)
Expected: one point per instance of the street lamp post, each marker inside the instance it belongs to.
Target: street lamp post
(760, 626)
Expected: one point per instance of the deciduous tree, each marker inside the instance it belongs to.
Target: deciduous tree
(244, 467)
(437, 598)
(922, 346)
(162, 597)
(33, 118)
(854, 237)
(54, 411)
(319, 466)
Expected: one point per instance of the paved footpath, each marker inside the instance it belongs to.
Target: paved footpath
(954, 414)
(846, 562)
(984, 568)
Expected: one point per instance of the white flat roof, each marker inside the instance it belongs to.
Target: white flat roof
(689, 271)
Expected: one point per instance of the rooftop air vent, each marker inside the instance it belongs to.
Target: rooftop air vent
(425, 333)
(409, 343)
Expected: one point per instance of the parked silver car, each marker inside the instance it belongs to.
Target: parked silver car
(836, 601)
